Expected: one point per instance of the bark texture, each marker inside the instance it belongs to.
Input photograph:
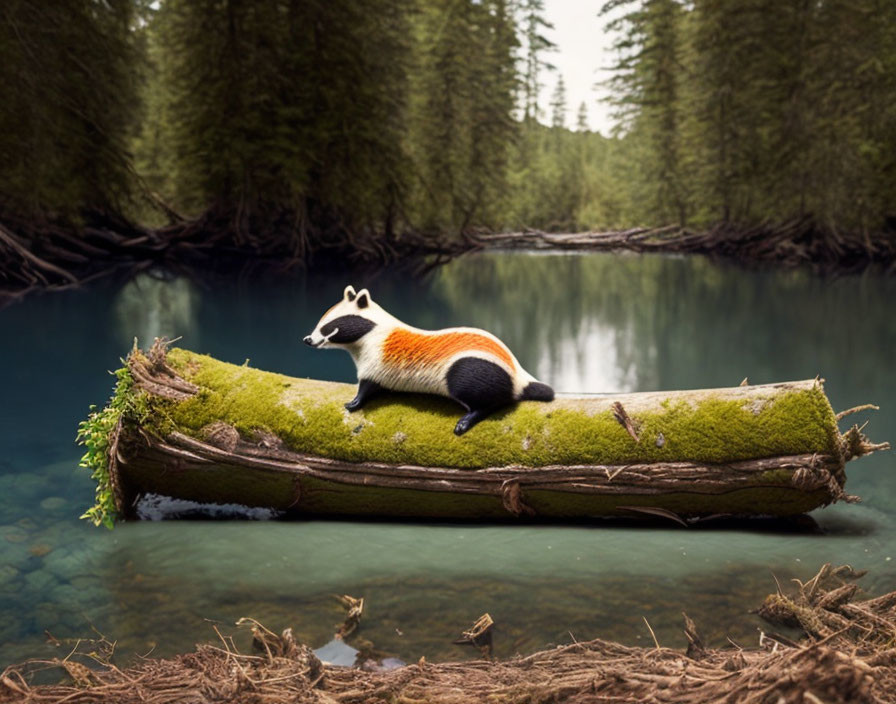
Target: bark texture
(208, 431)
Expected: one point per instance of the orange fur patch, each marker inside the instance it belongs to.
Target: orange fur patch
(409, 349)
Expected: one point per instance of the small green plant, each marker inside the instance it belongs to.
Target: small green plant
(95, 434)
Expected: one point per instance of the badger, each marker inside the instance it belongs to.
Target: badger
(468, 365)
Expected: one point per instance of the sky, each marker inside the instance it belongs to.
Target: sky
(583, 48)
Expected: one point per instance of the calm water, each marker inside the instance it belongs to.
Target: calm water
(583, 323)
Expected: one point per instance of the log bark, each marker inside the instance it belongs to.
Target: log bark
(200, 429)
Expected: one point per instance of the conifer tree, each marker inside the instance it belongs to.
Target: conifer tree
(582, 118)
(558, 104)
(646, 88)
(69, 107)
(533, 27)
(463, 124)
(287, 117)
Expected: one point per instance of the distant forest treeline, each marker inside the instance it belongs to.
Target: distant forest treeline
(310, 123)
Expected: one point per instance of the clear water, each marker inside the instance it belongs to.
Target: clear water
(584, 323)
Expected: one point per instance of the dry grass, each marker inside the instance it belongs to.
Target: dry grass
(847, 656)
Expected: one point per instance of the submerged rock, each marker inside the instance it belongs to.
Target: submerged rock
(53, 503)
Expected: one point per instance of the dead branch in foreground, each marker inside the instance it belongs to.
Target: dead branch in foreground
(848, 656)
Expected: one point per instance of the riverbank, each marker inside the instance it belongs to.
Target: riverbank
(56, 256)
(797, 242)
(845, 655)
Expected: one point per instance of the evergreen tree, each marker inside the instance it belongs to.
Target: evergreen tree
(287, 117)
(463, 124)
(534, 25)
(850, 84)
(558, 104)
(582, 118)
(494, 129)
(69, 107)
(646, 97)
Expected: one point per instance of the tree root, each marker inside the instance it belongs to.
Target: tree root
(55, 255)
(791, 243)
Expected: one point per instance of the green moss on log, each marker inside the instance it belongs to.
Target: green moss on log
(709, 428)
(309, 417)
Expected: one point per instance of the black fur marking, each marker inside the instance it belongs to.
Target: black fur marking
(536, 391)
(469, 420)
(367, 389)
(363, 301)
(351, 296)
(479, 385)
(351, 329)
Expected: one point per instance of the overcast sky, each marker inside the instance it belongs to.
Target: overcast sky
(583, 48)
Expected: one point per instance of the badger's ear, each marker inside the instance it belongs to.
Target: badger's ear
(349, 293)
(363, 298)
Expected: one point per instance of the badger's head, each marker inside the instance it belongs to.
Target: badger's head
(346, 322)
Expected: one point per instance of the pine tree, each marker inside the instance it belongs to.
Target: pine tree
(465, 96)
(534, 25)
(494, 129)
(287, 118)
(558, 104)
(646, 89)
(69, 107)
(582, 118)
(850, 83)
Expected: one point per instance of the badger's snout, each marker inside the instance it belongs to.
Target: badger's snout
(308, 341)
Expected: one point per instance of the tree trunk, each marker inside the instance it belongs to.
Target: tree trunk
(200, 429)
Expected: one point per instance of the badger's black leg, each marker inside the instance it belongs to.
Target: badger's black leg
(469, 420)
(482, 386)
(366, 390)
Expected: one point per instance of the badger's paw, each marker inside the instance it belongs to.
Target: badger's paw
(468, 421)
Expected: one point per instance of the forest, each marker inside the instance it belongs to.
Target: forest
(147, 130)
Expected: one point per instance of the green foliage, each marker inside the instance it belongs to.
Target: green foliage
(306, 125)
(533, 26)
(558, 104)
(461, 128)
(562, 180)
(96, 433)
(279, 113)
(69, 106)
(759, 110)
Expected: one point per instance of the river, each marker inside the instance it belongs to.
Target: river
(584, 323)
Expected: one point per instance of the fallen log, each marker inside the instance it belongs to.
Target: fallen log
(191, 427)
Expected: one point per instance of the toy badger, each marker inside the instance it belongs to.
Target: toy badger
(471, 366)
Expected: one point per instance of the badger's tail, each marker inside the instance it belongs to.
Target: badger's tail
(536, 391)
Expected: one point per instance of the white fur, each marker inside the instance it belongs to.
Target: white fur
(367, 352)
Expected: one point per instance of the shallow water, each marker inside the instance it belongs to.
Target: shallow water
(583, 323)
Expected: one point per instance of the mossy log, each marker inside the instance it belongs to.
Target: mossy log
(192, 427)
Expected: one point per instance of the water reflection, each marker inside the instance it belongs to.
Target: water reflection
(608, 323)
(598, 323)
(151, 306)
(583, 323)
